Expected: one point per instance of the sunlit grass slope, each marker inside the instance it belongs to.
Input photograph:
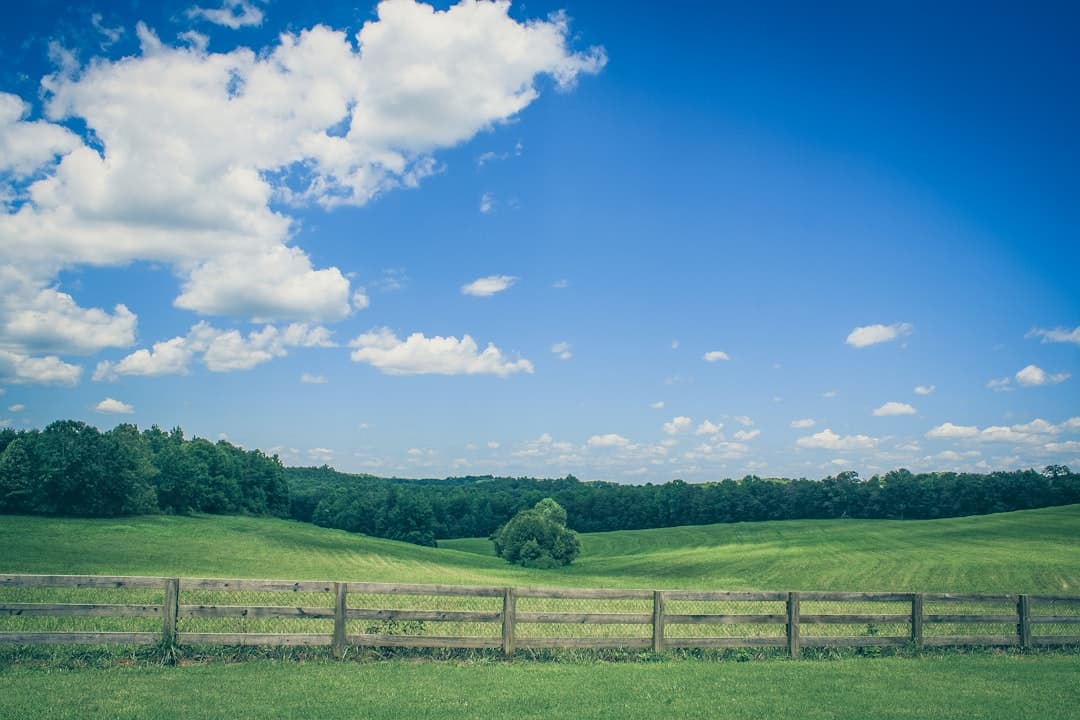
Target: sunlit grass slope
(1029, 551)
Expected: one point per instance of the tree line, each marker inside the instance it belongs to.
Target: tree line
(72, 468)
(478, 506)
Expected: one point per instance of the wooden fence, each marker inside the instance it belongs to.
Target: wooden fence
(791, 620)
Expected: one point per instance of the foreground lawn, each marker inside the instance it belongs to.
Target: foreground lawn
(1031, 551)
(958, 686)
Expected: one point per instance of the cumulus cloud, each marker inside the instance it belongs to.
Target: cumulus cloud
(873, 334)
(658, 405)
(804, 423)
(35, 319)
(709, 428)
(170, 357)
(26, 146)
(1035, 432)
(949, 430)
(715, 355)
(925, 389)
(421, 355)
(487, 203)
(677, 425)
(220, 350)
(1030, 376)
(109, 405)
(16, 408)
(894, 408)
(487, 286)
(829, 440)
(309, 379)
(1057, 335)
(198, 160)
(1034, 376)
(19, 369)
(746, 435)
(610, 440)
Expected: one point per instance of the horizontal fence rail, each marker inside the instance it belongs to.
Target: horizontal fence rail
(210, 611)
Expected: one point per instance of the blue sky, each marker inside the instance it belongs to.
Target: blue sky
(625, 241)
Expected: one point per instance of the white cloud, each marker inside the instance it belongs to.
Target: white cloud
(894, 408)
(677, 425)
(829, 394)
(1035, 432)
(561, 284)
(1034, 376)
(198, 159)
(746, 435)
(17, 408)
(608, 441)
(321, 456)
(35, 319)
(709, 428)
(109, 405)
(26, 146)
(19, 369)
(420, 355)
(743, 420)
(829, 440)
(492, 445)
(874, 334)
(487, 286)
(309, 379)
(1057, 335)
(170, 357)
(221, 350)
(949, 430)
(714, 355)
(360, 299)
(232, 14)
(658, 405)
(562, 349)
(804, 423)
(487, 203)
(1000, 385)
(925, 389)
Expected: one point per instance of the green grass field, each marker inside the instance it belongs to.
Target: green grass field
(1032, 552)
(967, 687)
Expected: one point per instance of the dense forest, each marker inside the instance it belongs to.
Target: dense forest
(71, 468)
(422, 510)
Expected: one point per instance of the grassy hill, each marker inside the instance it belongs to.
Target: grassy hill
(1026, 551)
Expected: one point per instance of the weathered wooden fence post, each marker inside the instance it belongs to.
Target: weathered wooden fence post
(793, 624)
(341, 590)
(917, 620)
(658, 621)
(508, 615)
(170, 610)
(1023, 628)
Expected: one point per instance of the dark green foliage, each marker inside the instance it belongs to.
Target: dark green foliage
(538, 537)
(71, 468)
(477, 506)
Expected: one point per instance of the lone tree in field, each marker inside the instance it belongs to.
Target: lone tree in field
(538, 537)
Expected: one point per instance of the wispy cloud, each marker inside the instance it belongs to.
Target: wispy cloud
(868, 335)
